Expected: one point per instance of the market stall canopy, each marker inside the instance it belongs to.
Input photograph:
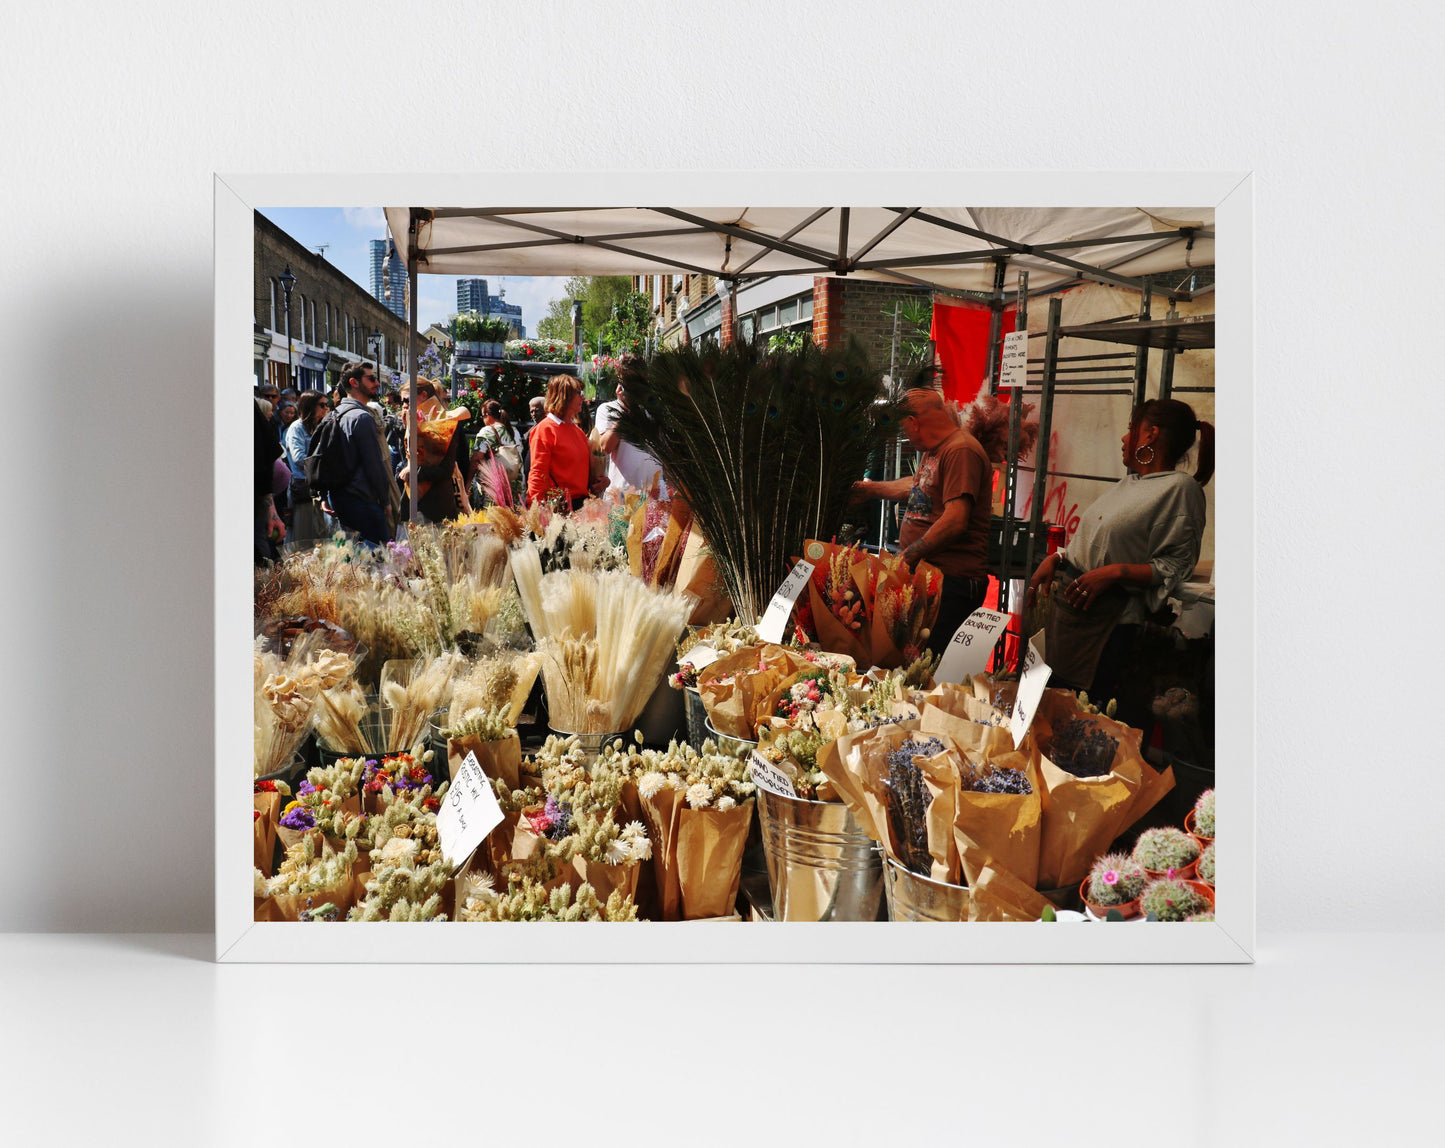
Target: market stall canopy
(951, 249)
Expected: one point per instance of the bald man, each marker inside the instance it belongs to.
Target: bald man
(948, 502)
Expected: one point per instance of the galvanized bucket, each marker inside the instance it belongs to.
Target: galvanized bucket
(589, 745)
(821, 865)
(732, 746)
(696, 719)
(915, 898)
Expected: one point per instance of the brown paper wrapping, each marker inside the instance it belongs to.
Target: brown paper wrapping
(268, 805)
(736, 707)
(697, 855)
(857, 765)
(605, 878)
(1082, 816)
(290, 838)
(940, 775)
(497, 758)
(833, 635)
(697, 574)
(996, 895)
(289, 905)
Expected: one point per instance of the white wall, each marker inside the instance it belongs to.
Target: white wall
(115, 116)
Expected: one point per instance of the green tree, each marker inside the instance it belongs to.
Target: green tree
(557, 323)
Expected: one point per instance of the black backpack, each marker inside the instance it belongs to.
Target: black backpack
(325, 464)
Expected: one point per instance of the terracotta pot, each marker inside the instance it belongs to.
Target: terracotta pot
(1127, 910)
(1187, 873)
(1205, 891)
(1194, 833)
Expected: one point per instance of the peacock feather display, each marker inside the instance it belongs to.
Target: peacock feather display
(764, 446)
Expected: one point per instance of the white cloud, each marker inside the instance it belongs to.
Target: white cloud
(365, 218)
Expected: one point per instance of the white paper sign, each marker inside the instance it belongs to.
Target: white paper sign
(701, 656)
(969, 648)
(1038, 643)
(468, 813)
(1031, 689)
(768, 776)
(1014, 369)
(775, 617)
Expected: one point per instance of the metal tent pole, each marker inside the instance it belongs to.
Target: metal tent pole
(413, 454)
(884, 504)
(1011, 478)
(995, 325)
(1041, 453)
(1141, 356)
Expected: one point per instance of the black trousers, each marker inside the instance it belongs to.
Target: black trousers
(957, 599)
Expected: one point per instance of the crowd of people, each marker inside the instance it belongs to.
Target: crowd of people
(358, 474)
(1133, 547)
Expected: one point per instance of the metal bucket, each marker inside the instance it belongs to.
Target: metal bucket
(662, 719)
(821, 865)
(733, 746)
(589, 745)
(915, 898)
(696, 719)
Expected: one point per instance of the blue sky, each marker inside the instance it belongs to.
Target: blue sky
(348, 231)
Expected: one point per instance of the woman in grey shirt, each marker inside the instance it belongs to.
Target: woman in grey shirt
(1132, 549)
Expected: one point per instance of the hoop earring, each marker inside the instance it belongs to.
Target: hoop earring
(1139, 455)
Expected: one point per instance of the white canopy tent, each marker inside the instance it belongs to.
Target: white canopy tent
(955, 250)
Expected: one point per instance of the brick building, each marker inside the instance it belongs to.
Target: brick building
(827, 308)
(333, 319)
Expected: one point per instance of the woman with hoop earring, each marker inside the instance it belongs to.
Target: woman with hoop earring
(1132, 549)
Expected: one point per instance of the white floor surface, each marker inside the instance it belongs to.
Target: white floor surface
(1328, 1039)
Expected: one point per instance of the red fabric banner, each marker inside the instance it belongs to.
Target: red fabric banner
(961, 334)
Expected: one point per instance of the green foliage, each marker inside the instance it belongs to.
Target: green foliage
(1165, 848)
(764, 447)
(628, 327)
(1204, 814)
(915, 330)
(1171, 900)
(1128, 884)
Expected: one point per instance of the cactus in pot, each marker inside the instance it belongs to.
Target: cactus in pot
(1206, 864)
(1167, 850)
(1169, 899)
(1204, 815)
(1115, 879)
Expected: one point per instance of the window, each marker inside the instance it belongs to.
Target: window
(788, 312)
(767, 318)
(312, 339)
(273, 305)
(805, 307)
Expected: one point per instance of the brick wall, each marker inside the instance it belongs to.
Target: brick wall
(860, 309)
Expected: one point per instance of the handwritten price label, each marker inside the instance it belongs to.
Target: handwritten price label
(969, 648)
(700, 657)
(768, 776)
(468, 814)
(1014, 368)
(1031, 690)
(775, 617)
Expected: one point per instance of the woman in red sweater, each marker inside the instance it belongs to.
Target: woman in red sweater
(561, 458)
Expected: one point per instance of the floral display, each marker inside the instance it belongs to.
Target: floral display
(1115, 879)
(1166, 850)
(1169, 899)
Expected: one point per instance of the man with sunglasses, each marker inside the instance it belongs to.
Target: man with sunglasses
(360, 502)
(948, 502)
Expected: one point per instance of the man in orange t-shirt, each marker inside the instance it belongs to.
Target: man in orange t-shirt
(946, 517)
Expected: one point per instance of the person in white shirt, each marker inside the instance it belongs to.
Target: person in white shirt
(628, 467)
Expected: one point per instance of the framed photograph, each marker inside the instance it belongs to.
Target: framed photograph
(1045, 331)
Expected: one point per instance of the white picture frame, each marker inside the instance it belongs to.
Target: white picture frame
(1229, 939)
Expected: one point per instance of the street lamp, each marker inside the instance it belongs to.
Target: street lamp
(375, 342)
(288, 281)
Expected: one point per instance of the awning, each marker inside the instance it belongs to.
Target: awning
(952, 249)
(313, 361)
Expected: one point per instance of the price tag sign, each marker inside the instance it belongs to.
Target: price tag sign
(768, 776)
(775, 617)
(971, 645)
(701, 656)
(468, 813)
(1031, 689)
(1014, 369)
